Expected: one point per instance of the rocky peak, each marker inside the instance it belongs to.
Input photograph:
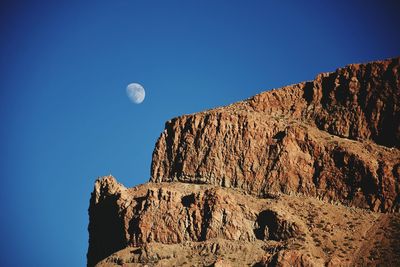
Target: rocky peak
(106, 186)
(106, 226)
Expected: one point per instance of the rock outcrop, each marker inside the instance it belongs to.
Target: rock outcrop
(336, 137)
(177, 224)
(173, 214)
(295, 176)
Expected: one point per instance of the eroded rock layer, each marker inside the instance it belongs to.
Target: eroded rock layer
(336, 137)
(176, 224)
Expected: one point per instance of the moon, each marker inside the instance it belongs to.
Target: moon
(135, 93)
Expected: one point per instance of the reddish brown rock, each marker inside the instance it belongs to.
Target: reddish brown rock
(333, 138)
(107, 228)
(176, 224)
(294, 258)
(172, 214)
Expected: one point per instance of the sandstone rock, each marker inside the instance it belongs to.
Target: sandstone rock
(324, 138)
(107, 233)
(221, 263)
(176, 224)
(166, 213)
(294, 259)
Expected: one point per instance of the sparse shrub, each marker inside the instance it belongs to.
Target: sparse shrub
(313, 235)
(301, 238)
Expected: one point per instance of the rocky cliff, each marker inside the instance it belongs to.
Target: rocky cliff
(295, 176)
(336, 137)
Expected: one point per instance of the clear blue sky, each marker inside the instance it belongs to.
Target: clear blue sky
(65, 116)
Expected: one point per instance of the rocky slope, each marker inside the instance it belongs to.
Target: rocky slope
(295, 176)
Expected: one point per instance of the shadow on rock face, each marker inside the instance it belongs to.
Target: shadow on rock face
(273, 227)
(188, 200)
(106, 230)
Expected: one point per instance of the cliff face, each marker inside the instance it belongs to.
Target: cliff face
(170, 214)
(334, 137)
(178, 224)
(275, 180)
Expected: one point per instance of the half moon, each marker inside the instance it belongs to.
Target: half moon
(135, 93)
